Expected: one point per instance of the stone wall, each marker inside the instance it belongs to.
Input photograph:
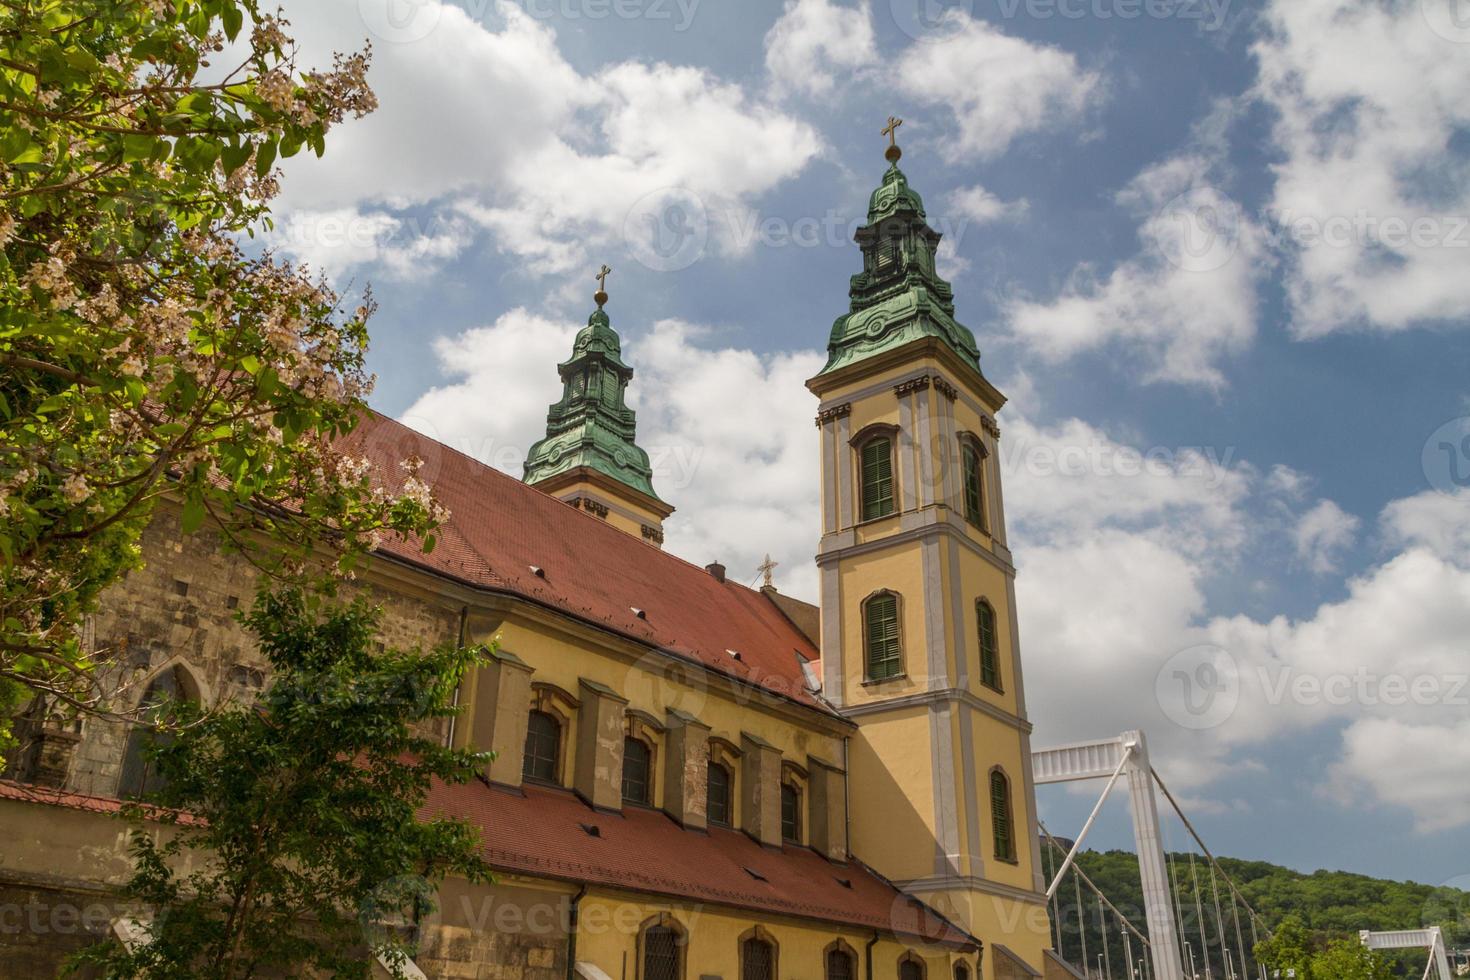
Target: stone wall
(180, 609)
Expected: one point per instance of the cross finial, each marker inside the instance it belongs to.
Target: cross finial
(766, 568)
(891, 131)
(601, 295)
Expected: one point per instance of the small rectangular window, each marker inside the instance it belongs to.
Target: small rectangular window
(718, 795)
(790, 814)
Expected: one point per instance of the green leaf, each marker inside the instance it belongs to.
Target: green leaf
(138, 147)
(193, 515)
(233, 18)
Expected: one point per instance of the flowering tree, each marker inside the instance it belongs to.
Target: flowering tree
(143, 354)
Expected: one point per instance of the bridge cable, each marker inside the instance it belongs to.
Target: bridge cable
(1199, 915)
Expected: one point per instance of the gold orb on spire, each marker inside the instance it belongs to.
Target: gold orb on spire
(891, 131)
(600, 297)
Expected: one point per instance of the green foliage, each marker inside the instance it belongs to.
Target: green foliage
(142, 353)
(1347, 959)
(1288, 951)
(1324, 906)
(290, 827)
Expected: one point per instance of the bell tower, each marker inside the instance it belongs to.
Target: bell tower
(588, 457)
(919, 642)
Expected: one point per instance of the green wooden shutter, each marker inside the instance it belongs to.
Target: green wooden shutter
(989, 647)
(974, 499)
(885, 657)
(1000, 816)
(877, 478)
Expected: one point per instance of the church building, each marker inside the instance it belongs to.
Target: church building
(695, 780)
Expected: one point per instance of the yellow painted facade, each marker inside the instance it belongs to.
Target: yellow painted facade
(930, 739)
(622, 506)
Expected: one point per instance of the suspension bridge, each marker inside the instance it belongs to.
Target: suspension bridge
(1195, 923)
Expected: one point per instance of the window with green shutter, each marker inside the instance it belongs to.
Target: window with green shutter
(877, 463)
(1000, 816)
(973, 464)
(885, 657)
(989, 645)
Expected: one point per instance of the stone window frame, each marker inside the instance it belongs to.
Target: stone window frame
(726, 753)
(910, 957)
(192, 677)
(842, 946)
(667, 921)
(902, 672)
(562, 705)
(972, 442)
(758, 933)
(858, 443)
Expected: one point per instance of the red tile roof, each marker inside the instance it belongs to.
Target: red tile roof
(499, 528)
(542, 832)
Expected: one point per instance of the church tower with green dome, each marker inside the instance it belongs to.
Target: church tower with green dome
(589, 457)
(918, 603)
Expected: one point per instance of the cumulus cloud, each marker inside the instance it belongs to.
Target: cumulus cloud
(1437, 522)
(998, 87)
(981, 206)
(813, 40)
(340, 240)
(1322, 534)
(491, 124)
(1372, 194)
(1180, 306)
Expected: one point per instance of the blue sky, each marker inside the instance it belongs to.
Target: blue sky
(1216, 252)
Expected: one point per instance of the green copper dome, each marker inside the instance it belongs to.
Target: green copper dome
(899, 296)
(592, 425)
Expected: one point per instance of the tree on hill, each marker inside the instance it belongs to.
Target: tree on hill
(143, 354)
(306, 805)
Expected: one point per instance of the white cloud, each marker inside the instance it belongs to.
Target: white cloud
(1183, 304)
(979, 205)
(342, 239)
(1369, 98)
(1322, 534)
(741, 480)
(1421, 767)
(496, 126)
(815, 39)
(999, 87)
(1435, 521)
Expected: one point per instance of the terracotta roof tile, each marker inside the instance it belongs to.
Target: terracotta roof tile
(500, 527)
(542, 832)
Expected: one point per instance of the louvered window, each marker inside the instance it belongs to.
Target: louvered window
(637, 786)
(877, 464)
(1000, 816)
(972, 462)
(718, 795)
(885, 658)
(757, 960)
(660, 953)
(989, 645)
(543, 746)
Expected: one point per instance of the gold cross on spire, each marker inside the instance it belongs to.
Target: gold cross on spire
(891, 131)
(601, 295)
(766, 568)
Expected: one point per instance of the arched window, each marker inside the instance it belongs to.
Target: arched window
(884, 654)
(961, 972)
(637, 769)
(840, 964)
(1000, 816)
(972, 461)
(662, 949)
(543, 747)
(877, 477)
(140, 777)
(790, 813)
(718, 795)
(757, 958)
(910, 967)
(989, 645)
